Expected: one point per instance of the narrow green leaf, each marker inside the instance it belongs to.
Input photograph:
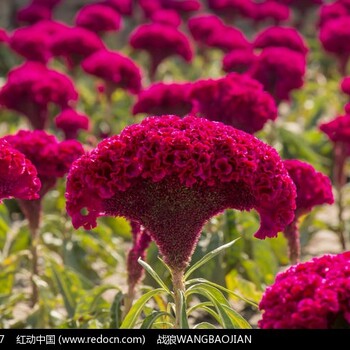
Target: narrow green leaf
(198, 306)
(238, 321)
(208, 257)
(204, 325)
(164, 264)
(183, 315)
(116, 312)
(132, 316)
(150, 319)
(154, 274)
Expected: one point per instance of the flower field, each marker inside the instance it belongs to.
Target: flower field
(173, 164)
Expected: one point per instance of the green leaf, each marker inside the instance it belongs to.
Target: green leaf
(208, 257)
(154, 274)
(164, 264)
(116, 312)
(150, 319)
(135, 311)
(204, 325)
(183, 315)
(238, 321)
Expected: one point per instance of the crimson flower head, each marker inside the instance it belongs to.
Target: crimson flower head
(338, 129)
(18, 176)
(33, 13)
(347, 108)
(182, 6)
(162, 99)
(311, 295)
(31, 88)
(117, 70)
(171, 175)
(166, 17)
(281, 37)
(239, 61)
(70, 122)
(98, 18)
(280, 70)
(232, 8)
(333, 11)
(235, 100)
(149, 7)
(228, 39)
(345, 85)
(161, 41)
(51, 158)
(270, 10)
(203, 26)
(75, 44)
(47, 3)
(4, 38)
(124, 7)
(335, 39)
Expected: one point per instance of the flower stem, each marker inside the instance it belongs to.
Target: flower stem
(128, 299)
(178, 286)
(291, 232)
(34, 272)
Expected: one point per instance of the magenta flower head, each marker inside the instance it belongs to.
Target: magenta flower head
(203, 26)
(338, 129)
(51, 158)
(117, 70)
(271, 11)
(335, 39)
(166, 17)
(228, 39)
(232, 8)
(239, 61)
(124, 7)
(98, 18)
(75, 44)
(182, 6)
(31, 43)
(18, 176)
(149, 7)
(329, 12)
(311, 295)
(171, 175)
(4, 38)
(281, 37)
(313, 188)
(70, 122)
(32, 87)
(47, 3)
(280, 70)
(162, 99)
(235, 100)
(160, 41)
(33, 13)
(345, 85)
(347, 108)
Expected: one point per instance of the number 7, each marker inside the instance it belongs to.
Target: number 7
(1, 338)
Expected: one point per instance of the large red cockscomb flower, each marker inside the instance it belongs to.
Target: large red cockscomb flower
(98, 18)
(313, 188)
(4, 37)
(171, 175)
(117, 70)
(335, 38)
(162, 99)
(338, 129)
(232, 8)
(311, 295)
(270, 11)
(345, 85)
(160, 41)
(70, 122)
(333, 11)
(280, 70)
(18, 176)
(33, 13)
(124, 7)
(75, 44)
(228, 39)
(239, 61)
(234, 100)
(166, 17)
(281, 37)
(31, 88)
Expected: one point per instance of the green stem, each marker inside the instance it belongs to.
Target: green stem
(35, 270)
(178, 286)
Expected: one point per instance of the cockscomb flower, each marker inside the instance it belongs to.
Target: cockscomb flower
(239, 61)
(235, 100)
(270, 11)
(31, 88)
(47, 3)
(280, 70)
(75, 44)
(149, 7)
(164, 98)
(311, 295)
(345, 85)
(124, 7)
(160, 41)
(171, 175)
(182, 6)
(98, 18)
(117, 70)
(166, 17)
(313, 188)
(281, 37)
(232, 8)
(71, 122)
(228, 39)
(18, 176)
(338, 129)
(4, 38)
(33, 13)
(333, 11)
(347, 108)
(335, 38)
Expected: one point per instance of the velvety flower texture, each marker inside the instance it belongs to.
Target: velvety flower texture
(31, 88)
(98, 18)
(347, 108)
(311, 295)
(235, 100)
(71, 122)
(33, 13)
(239, 61)
(164, 98)
(171, 175)
(345, 85)
(270, 10)
(117, 70)
(232, 8)
(4, 38)
(18, 176)
(280, 70)
(329, 12)
(124, 7)
(166, 17)
(338, 129)
(281, 37)
(183, 6)
(75, 44)
(160, 41)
